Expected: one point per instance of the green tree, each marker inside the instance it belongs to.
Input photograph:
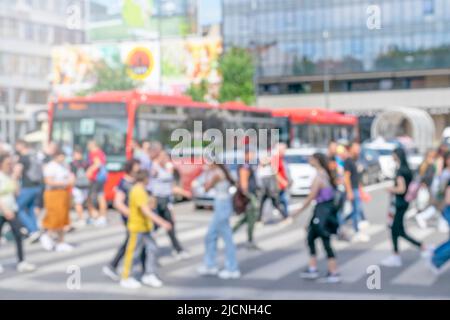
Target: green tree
(111, 76)
(199, 91)
(238, 69)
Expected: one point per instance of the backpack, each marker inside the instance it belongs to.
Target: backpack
(35, 172)
(102, 175)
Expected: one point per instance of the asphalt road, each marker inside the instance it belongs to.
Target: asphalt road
(272, 273)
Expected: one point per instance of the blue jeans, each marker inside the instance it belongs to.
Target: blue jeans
(442, 253)
(357, 211)
(27, 202)
(220, 226)
(284, 203)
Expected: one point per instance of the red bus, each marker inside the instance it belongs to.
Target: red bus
(115, 119)
(314, 127)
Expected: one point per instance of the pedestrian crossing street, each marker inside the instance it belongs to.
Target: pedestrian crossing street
(273, 269)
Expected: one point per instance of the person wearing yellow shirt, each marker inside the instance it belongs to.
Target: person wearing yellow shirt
(140, 225)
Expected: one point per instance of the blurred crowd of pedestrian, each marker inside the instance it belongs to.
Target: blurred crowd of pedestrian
(39, 189)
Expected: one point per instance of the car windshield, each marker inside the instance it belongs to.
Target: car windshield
(296, 159)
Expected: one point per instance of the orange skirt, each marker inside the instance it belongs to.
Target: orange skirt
(57, 207)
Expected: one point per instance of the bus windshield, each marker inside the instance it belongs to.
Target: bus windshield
(101, 122)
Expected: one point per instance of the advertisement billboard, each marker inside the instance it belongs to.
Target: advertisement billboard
(140, 19)
(189, 61)
(76, 68)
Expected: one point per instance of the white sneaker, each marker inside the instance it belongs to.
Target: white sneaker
(110, 273)
(64, 247)
(421, 222)
(24, 267)
(1, 269)
(392, 261)
(152, 280)
(205, 271)
(360, 237)
(101, 222)
(34, 237)
(130, 283)
(364, 225)
(227, 275)
(443, 226)
(80, 224)
(47, 242)
(183, 255)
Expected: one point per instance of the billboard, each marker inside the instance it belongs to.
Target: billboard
(189, 61)
(75, 68)
(140, 19)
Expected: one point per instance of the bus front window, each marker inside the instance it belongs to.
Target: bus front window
(110, 134)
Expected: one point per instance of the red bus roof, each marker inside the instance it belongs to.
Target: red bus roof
(319, 116)
(151, 98)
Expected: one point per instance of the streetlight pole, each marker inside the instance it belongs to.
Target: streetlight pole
(326, 76)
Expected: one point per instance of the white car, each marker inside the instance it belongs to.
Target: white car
(301, 172)
(387, 163)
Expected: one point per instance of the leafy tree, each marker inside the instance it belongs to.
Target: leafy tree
(237, 69)
(111, 76)
(199, 91)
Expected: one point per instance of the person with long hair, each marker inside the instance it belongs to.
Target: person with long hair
(163, 189)
(403, 178)
(220, 179)
(426, 175)
(324, 222)
(8, 209)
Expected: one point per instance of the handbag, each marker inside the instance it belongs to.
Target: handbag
(413, 191)
(240, 202)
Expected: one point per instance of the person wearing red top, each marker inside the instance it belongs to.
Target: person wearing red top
(97, 205)
(282, 179)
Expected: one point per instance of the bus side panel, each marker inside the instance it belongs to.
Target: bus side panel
(111, 183)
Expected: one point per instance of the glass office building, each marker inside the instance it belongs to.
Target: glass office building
(360, 43)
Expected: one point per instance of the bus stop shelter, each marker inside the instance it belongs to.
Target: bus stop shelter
(401, 121)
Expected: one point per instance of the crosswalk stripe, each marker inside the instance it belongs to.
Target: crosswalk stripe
(272, 242)
(84, 237)
(294, 261)
(278, 269)
(356, 268)
(416, 274)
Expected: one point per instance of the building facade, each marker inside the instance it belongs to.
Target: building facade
(351, 55)
(28, 30)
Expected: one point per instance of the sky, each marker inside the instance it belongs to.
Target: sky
(209, 11)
